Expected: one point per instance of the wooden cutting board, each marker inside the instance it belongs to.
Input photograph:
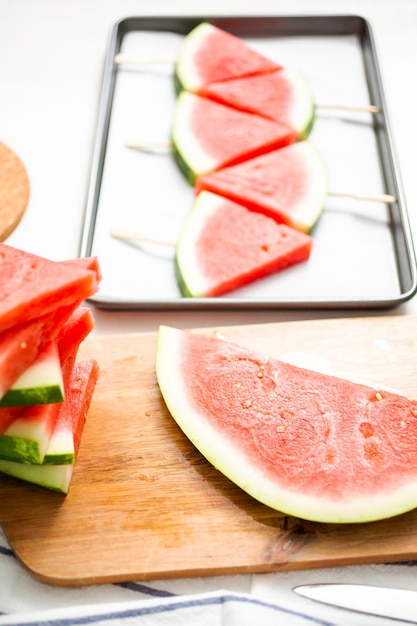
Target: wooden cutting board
(144, 504)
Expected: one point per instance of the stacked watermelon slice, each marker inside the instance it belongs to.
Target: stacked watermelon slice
(44, 392)
(239, 136)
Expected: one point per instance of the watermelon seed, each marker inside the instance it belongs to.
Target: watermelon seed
(247, 403)
(378, 396)
(414, 412)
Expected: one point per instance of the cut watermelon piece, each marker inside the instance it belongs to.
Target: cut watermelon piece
(32, 286)
(77, 328)
(223, 246)
(210, 54)
(25, 432)
(21, 345)
(58, 477)
(63, 446)
(283, 96)
(305, 443)
(207, 136)
(41, 383)
(289, 185)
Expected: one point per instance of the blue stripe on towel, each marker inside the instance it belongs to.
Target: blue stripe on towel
(171, 607)
(146, 590)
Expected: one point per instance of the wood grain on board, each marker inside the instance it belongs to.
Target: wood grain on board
(144, 504)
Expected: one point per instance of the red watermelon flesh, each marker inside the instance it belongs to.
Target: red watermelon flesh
(223, 246)
(283, 96)
(88, 263)
(83, 382)
(209, 136)
(32, 286)
(209, 54)
(77, 328)
(305, 443)
(289, 185)
(21, 345)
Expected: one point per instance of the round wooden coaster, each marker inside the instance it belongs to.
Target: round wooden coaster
(14, 191)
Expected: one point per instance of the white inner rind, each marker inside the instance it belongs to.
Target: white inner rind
(186, 68)
(56, 477)
(186, 139)
(205, 205)
(221, 452)
(302, 109)
(306, 211)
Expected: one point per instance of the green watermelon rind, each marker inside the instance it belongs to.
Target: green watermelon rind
(219, 450)
(52, 477)
(304, 114)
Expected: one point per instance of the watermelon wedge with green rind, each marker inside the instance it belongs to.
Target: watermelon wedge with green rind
(25, 435)
(63, 446)
(40, 383)
(207, 136)
(305, 443)
(25, 432)
(21, 345)
(282, 96)
(223, 246)
(58, 477)
(32, 286)
(64, 440)
(209, 54)
(290, 185)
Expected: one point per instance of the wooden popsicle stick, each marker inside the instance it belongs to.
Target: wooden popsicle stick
(125, 59)
(369, 108)
(384, 197)
(136, 236)
(147, 144)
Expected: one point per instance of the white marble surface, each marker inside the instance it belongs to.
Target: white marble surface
(51, 62)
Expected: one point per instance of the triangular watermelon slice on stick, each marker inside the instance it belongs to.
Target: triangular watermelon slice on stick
(207, 136)
(307, 444)
(282, 96)
(209, 54)
(223, 246)
(290, 185)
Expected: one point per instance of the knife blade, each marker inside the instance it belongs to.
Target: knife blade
(388, 602)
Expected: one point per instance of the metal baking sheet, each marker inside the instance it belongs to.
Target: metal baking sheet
(363, 253)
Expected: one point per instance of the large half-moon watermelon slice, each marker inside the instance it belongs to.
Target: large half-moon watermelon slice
(282, 96)
(289, 185)
(210, 54)
(207, 135)
(305, 443)
(223, 246)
